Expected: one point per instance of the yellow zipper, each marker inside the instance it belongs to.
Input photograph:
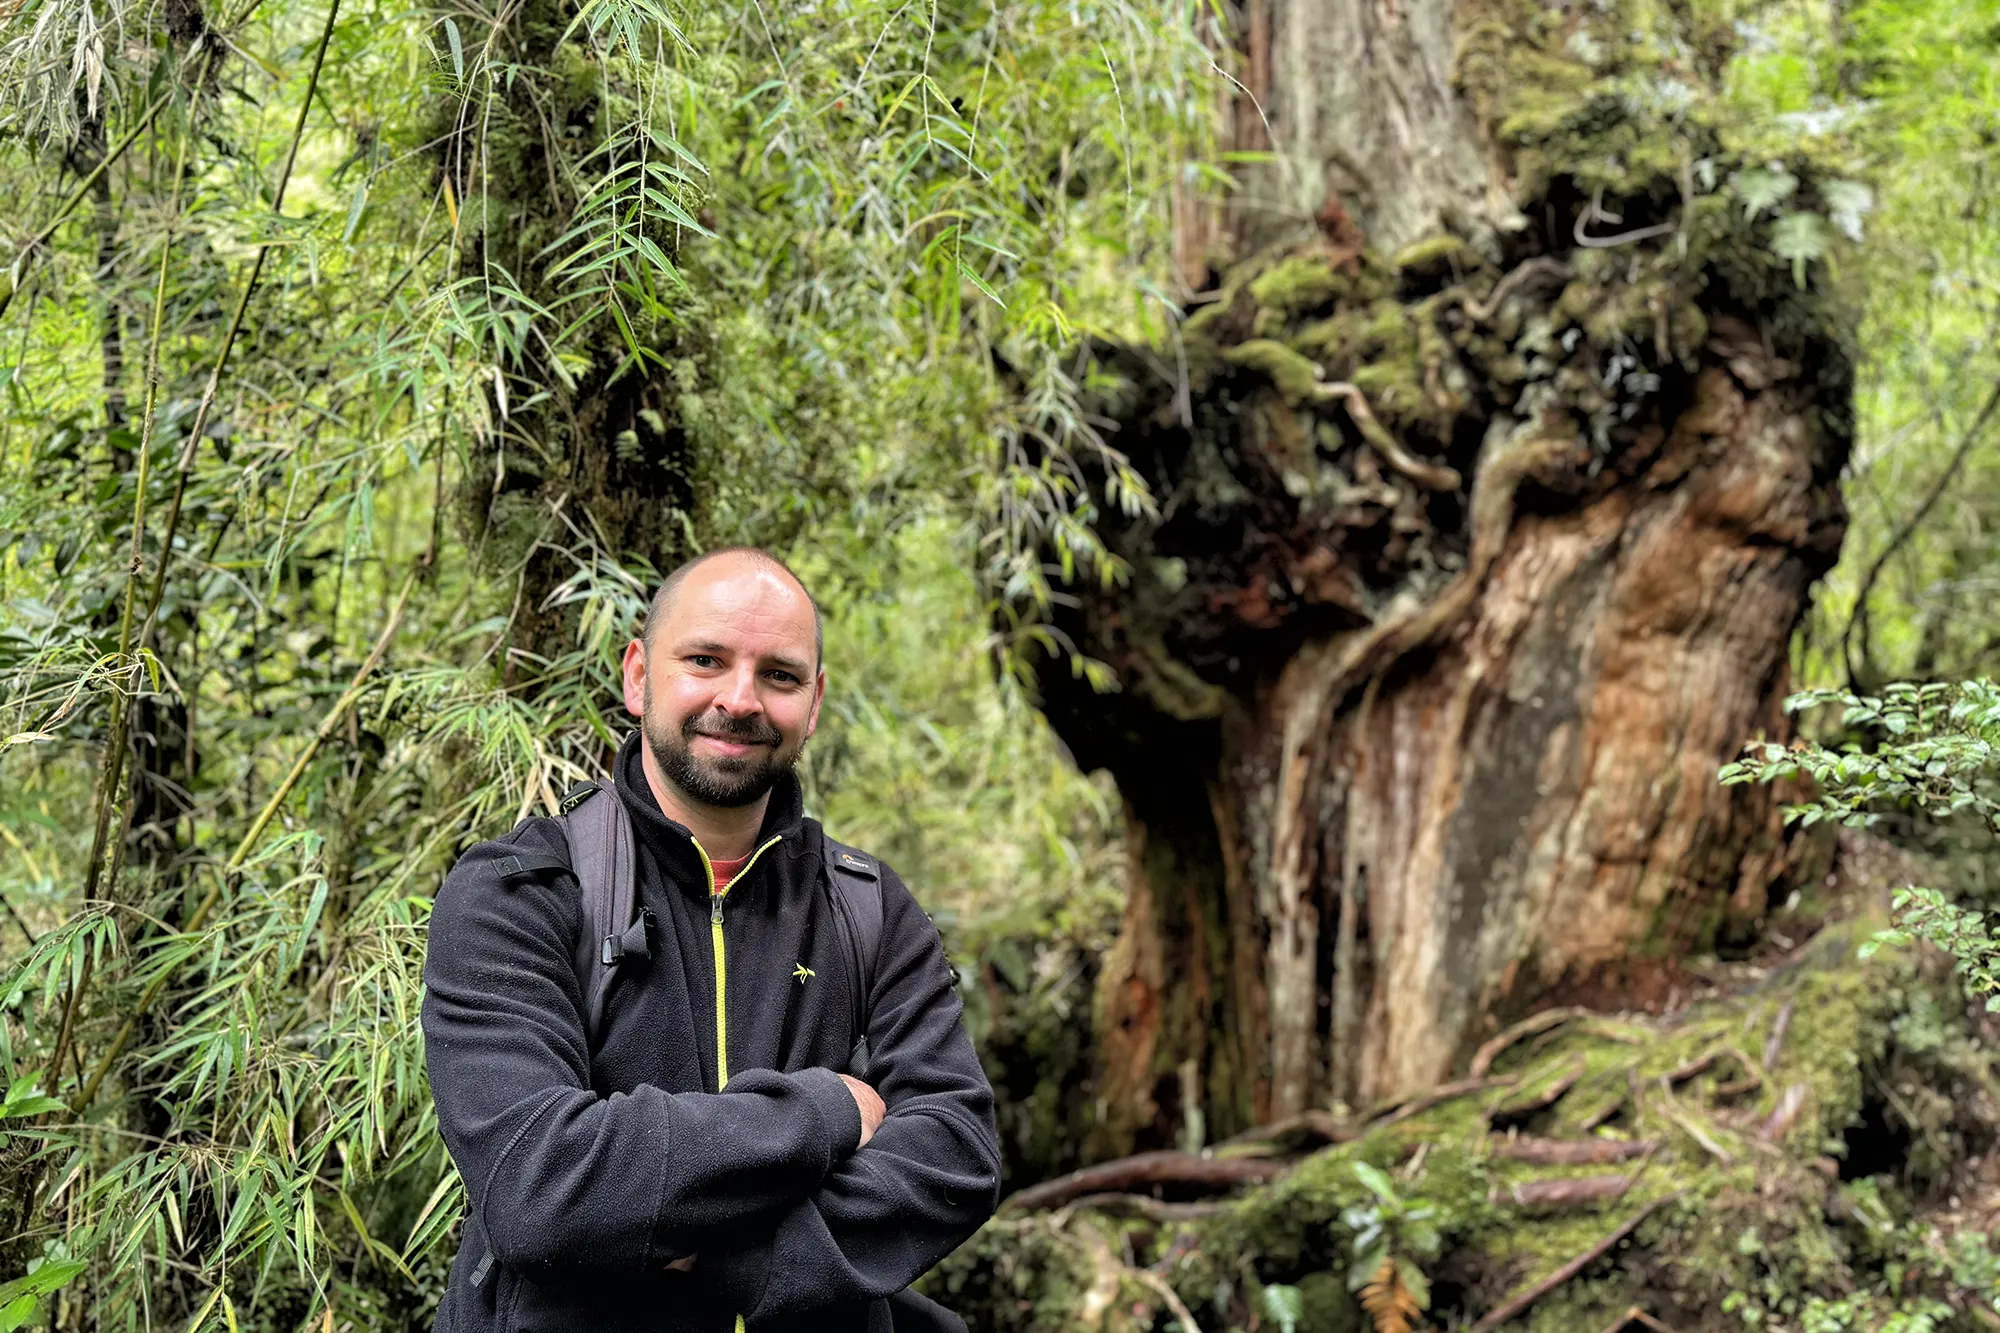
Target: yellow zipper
(715, 897)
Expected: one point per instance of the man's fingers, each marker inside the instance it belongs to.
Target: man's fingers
(869, 1103)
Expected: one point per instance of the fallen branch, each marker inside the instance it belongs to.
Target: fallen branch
(1568, 1152)
(1602, 1115)
(1174, 1303)
(1483, 1058)
(1146, 1206)
(1305, 1127)
(1562, 1192)
(1517, 1304)
(1148, 1169)
(1635, 1316)
(1699, 1065)
(1779, 1122)
(1396, 1111)
(1521, 1110)
(1776, 1041)
(1694, 1131)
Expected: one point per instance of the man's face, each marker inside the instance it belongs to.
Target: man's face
(728, 690)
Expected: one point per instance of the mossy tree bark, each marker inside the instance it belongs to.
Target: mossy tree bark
(579, 444)
(1494, 466)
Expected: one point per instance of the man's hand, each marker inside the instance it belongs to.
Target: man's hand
(684, 1264)
(869, 1103)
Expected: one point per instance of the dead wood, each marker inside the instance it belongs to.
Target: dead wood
(1519, 1111)
(1515, 1305)
(1483, 1058)
(1635, 1315)
(1148, 1207)
(1776, 1041)
(1779, 1123)
(1563, 1192)
(1307, 1127)
(1573, 1152)
(1394, 1112)
(1699, 1065)
(1147, 1169)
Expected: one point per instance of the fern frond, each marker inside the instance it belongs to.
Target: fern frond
(1390, 1305)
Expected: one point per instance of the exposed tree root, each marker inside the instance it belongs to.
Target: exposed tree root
(1147, 1169)
(1515, 1305)
(1860, 1158)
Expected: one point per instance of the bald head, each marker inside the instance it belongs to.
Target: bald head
(726, 560)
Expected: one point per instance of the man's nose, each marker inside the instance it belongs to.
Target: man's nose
(736, 693)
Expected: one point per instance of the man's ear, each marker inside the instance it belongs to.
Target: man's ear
(635, 678)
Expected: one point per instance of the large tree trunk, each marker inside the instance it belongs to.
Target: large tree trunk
(1492, 472)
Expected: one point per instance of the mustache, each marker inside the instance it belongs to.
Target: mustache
(721, 726)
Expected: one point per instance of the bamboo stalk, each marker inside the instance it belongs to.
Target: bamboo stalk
(111, 775)
(184, 465)
(234, 864)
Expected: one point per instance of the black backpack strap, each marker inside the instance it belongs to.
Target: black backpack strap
(606, 865)
(854, 883)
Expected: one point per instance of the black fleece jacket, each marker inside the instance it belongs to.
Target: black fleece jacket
(588, 1170)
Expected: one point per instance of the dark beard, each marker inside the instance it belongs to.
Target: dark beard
(722, 782)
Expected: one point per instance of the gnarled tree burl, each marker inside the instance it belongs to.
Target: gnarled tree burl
(1493, 468)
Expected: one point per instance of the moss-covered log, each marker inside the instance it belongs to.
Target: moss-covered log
(1807, 1148)
(1493, 466)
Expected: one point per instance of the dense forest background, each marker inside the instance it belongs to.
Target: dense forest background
(365, 363)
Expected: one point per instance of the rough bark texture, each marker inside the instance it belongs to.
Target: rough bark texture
(1492, 478)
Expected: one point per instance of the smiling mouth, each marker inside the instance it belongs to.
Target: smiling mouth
(730, 744)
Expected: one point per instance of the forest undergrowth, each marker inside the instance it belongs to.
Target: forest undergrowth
(1800, 1140)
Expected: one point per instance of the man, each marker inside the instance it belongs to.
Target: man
(697, 1162)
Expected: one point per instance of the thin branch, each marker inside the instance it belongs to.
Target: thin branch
(185, 465)
(1174, 1303)
(1516, 1305)
(1147, 1168)
(1904, 532)
(111, 776)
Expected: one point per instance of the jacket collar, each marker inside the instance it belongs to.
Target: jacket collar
(670, 842)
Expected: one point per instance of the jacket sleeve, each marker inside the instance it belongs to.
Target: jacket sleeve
(923, 1183)
(555, 1175)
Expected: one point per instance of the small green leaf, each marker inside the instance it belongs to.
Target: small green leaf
(1802, 237)
(41, 1282)
(1285, 1306)
(457, 49)
(1376, 1183)
(1760, 188)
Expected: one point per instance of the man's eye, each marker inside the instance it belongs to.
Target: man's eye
(702, 660)
(784, 677)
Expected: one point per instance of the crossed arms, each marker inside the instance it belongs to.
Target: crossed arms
(767, 1180)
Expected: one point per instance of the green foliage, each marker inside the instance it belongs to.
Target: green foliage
(1926, 748)
(1389, 1227)
(811, 281)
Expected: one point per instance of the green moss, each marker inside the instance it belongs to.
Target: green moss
(1435, 256)
(1766, 1227)
(1296, 285)
(1296, 378)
